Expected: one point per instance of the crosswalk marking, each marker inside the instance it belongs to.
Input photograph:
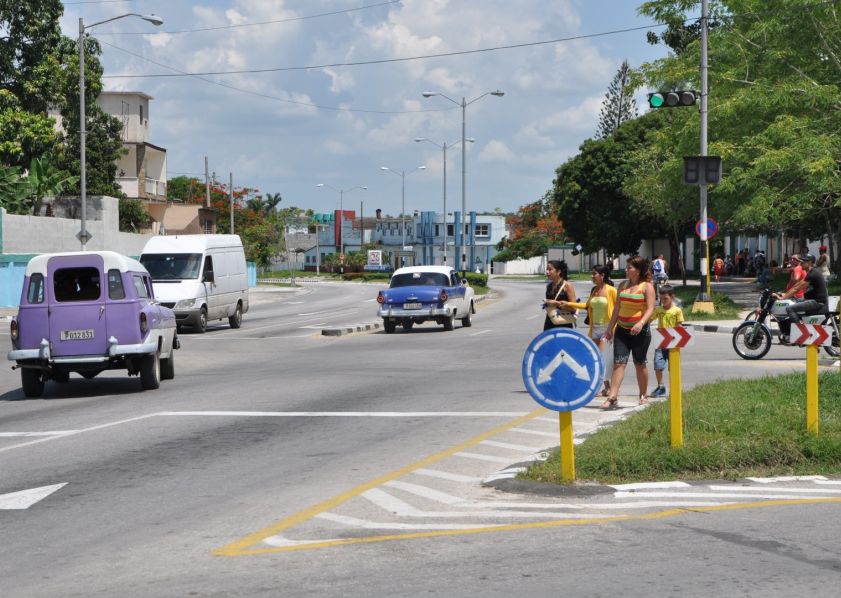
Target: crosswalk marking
(445, 475)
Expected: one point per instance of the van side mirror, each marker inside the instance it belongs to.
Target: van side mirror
(208, 276)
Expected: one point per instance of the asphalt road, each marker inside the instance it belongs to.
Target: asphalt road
(283, 463)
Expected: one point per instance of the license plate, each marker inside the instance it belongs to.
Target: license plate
(76, 335)
(411, 306)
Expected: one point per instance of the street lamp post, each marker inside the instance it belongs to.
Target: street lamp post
(464, 104)
(402, 174)
(444, 147)
(155, 20)
(341, 193)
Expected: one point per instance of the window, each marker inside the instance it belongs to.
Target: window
(174, 266)
(412, 279)
(115, 285)
(208, 266)
(450, 230)
(35, 293)
(141, 114)
(76, 284)
(483, 230)
(140, 286)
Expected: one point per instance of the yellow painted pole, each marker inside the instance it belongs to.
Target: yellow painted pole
(709, 272)
(812, 389)
(567, 450)
(675, 399)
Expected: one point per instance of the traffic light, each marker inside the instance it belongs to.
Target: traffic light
(673, 99)
(701, 170)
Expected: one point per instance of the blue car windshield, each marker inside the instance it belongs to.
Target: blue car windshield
(173, 266)
(414, 279)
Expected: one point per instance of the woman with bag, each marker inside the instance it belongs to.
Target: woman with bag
(558, 290)
(600, 305)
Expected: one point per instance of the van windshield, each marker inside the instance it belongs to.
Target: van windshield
(173, 266)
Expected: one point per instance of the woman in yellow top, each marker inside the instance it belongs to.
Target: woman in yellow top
(599, 306)
(629, 330)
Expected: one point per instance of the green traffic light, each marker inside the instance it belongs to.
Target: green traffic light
(655, 100)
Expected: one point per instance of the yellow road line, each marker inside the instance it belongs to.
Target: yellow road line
(240, 546)
(230, 551)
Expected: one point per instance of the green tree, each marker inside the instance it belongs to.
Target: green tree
(14, 191)
(619, 104)
(45, 181)
(24, 135)
(185, 189)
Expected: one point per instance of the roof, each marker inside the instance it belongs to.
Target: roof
(409, 269)
(111, 259)
(126, 93)
(189, 243)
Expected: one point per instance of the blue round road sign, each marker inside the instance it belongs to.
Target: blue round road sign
(562, 369)
(712, 228)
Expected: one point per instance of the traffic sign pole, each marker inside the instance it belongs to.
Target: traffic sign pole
(812, 389)
(675, 399)
(567, 447)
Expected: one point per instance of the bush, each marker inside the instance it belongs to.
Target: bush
(476, 280)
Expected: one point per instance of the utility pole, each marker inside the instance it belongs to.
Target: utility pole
(206, 184)
(703, 295)
(231, 198)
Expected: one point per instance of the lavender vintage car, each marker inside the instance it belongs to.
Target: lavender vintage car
(87, 313)
(420, 293)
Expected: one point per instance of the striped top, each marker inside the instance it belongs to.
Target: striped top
(631, 305)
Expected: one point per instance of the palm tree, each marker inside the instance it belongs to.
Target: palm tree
(272, 199)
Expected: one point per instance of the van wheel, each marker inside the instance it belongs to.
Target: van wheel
(201, 325)
(236, 320)
(32, 382)
(168, 365)
(150, 371)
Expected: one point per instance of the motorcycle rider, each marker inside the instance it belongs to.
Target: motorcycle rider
(815, 295)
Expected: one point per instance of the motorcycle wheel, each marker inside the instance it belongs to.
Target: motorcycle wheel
(751, 340)
(834, 349)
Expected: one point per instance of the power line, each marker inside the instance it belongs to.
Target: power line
(258, 23)
(271, 97)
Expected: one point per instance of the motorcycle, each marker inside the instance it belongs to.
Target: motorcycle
(752, 338)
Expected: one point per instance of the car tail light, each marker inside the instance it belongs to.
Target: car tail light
(444, 296)
(380, 298)
(13, 330)
(143, 324)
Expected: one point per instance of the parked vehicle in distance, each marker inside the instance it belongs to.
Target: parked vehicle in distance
(202, 278)
(87, 312)
(420, 293)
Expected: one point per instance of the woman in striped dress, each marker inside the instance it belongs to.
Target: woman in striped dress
(629, 330)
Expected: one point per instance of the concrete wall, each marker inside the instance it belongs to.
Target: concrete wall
(534, 265)
(40, 234)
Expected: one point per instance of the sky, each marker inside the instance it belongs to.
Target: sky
(289, 129)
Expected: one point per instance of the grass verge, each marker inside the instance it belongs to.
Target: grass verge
(725, 309)
(732, 429)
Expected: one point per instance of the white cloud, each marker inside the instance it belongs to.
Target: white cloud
(496, 151)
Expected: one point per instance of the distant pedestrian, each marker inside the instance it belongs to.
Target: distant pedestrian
(558, 291)
(668, 315)
(630, 325)
(718, 268)
(822, 265)
(599, 305)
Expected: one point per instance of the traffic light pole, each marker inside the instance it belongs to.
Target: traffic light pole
(703, 295)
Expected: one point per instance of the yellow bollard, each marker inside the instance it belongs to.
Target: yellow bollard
(567, 450)
(675, 399)
(812, 389)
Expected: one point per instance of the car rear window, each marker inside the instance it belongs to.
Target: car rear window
(76, 284)
(412, 279)
(115, 285)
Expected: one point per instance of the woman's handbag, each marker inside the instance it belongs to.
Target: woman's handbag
(558, 316)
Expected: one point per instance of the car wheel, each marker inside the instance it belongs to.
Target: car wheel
(201, 325)
(467, 321)
(236, 320)
(168, 365)
(449, 323)
(407, 324)
(389, 327)
(32, 382)
(150, 371)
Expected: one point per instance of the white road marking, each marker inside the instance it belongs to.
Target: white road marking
(346, 413)
(651, 485)
(36, 434)
(480, 457)
(777, 489)
(730, 495)
(445, 475)
(365, 524)
(535, 432)
(26, 498)
(480, 332)
(533, 317)
(513, 447)
(788, 478)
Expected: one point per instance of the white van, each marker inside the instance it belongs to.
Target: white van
(200, 277)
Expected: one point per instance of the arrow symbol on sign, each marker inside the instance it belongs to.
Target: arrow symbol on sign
(823, 334)
(545, 374)
(806, 334)
(26, 498)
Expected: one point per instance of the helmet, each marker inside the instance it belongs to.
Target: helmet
(807, 257)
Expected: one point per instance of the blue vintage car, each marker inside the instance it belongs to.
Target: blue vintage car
(87, 312)
(420, 293)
